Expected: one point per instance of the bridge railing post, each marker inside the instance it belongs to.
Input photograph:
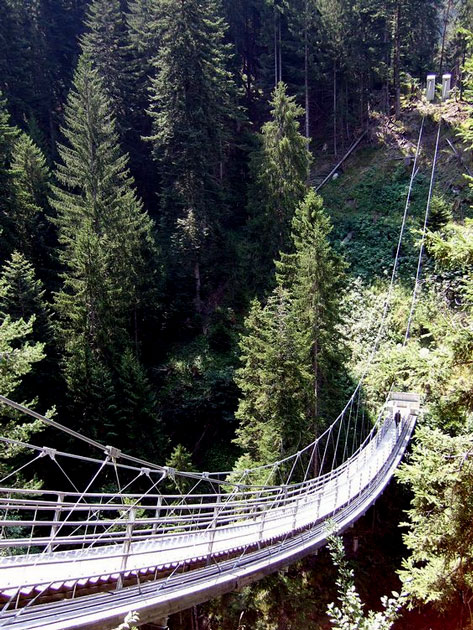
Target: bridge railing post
(56, 519)
(127, 545)
(261, 527)
(157, 512)
(319, 501)
(213, 526)
(294, 516)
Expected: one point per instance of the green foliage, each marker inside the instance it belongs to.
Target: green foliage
(106, 242)
(275, 384)
(180, 459)
(105, 45)
(8, 134)
(280, 169)
(105, 235)
(29, 180)
(366, 214)
(193, 111)
(439, 568)
(350, 614)
(17, 357)
(23, 297)
(293, 598)
(138, 409)
(292, 353)
(197, 397)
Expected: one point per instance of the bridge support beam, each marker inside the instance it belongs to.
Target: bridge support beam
(159, 624)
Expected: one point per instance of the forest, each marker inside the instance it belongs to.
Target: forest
(172, 282)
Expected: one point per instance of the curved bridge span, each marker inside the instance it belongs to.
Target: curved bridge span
(85, 560)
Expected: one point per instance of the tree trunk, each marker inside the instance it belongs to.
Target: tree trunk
(198, 300)
(335, 151)
(397, 61)
(306, 73)
(276, 75)
(279, 47)
(444, 32)
(386, 83)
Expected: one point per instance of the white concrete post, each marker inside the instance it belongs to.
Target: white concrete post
(446, 86)
(430, 92)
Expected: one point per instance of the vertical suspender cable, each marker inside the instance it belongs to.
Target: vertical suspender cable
(424, 232)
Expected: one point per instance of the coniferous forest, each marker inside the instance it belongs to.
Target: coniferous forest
(172, 283)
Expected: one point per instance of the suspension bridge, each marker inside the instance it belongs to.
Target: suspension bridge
(164, 540)
(84, 560)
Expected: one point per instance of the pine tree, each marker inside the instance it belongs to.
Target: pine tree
(105, 236)
(138, 408)
(29, 181)
(23, 297)
(105, 44)
(314, 275)
(280, 173)
(274, 383)
(291, 353)
(8, 134)
(18, 355)
(192, 109)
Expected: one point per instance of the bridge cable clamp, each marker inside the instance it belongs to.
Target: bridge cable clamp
(49, 452)
(169, 472)
(112, 452)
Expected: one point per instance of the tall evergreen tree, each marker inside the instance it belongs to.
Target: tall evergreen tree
(18, 355)
(29, 181)
(275, 384)
(23, 297)
(105, 44)
(8, 134)
(143, 20)
(105, 236)
(280, 174)
(314, 275)
(292, 353)
(138, 409)
(193, 110)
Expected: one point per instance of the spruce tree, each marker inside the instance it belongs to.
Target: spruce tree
(138, 408)
(192, 109)
(143, 19)
(29, 181)
(274, 382)
(105, 236)
(280, 173)
(18, 355)
(292, 354)
(313, 273)
(23, 297)
(8, 134)
(105, 44)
